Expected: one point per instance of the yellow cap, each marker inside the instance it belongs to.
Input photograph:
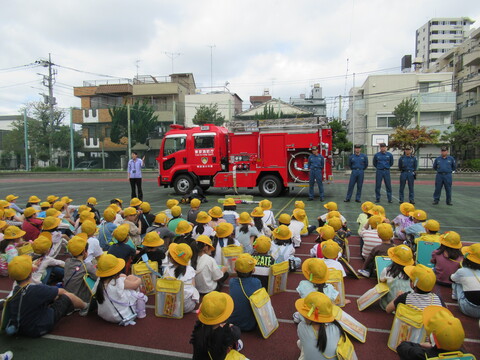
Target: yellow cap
(282, 232)
(66, 199)
(13, 232)
(121, 232)
(203, 218)
(315, 270)
(385, 231)
(245, 263)
(2, 224)
(20, 267)
(331, 205)
(109, 265)
(205, 240)
(181, 253)
(41, 245)
(171, 203)
(129, 211)
(183, 227)
(330, 249)
(451, 239)
(326, 232)
(432, 225)
(299, 204)
(92, 200)
(176, 211)
(53, 212)
(316, 307)
(374, 221)
(76, 245)
(335, 223)
(333, 214)
(29, 212)
(406, 208)
(224, 230)
(89, 227)
(299, 214)
(265, 204)
(135, 202)
(422, 277)
(161, 218)
(115, 208)
(401, 254)
(216, 308)
(195, 203)
(367, 206)
(244, 218)
(10, 198)
(109, 214)
(4, 204)
(145, 206)
(419, 215)
(59, 205)
(83, 208)
(86, 215)
(215, 212)
(262, 244)
(9, 213)
(33, 199)
(152, 239)
(257, 212)
(284, 219)
(229, 202)
(52, 198)
(447, 330)
(472, 252)
(45, 205)
(51, 222)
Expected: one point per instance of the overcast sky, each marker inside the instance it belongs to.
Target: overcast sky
(286, 46)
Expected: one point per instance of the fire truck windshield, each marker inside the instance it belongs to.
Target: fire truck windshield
(173, 144)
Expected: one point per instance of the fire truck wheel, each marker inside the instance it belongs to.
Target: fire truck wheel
(183, 184)
(270, 186)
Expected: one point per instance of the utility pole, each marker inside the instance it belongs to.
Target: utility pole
(340, 107)
(25, 121)
(353, 115)
(211, 65)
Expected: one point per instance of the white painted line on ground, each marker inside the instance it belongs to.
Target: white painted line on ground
(119, 346)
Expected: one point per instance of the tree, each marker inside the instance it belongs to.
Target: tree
(340, 131)
(404, 113)
(208, 115)
(142, 122)
(268, 114)
(417, 137)
(464, 137)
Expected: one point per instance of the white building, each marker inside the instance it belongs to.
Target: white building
(438, 36)
(315, 104)
(371, 114)
(228, 105)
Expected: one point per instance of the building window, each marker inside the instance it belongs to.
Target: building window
(453, 23)
(434, 32)
(434, 22)
(453, 32)
(384, 121)
(434, 41)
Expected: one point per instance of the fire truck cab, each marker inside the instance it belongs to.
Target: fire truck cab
(270, 156)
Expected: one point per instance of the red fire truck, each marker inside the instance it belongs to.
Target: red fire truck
(268, 154)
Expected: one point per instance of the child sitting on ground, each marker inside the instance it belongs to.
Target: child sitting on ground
(307, 228)
(179, 256)
(466, 284)
(257, 215)
(316, 274)
(91, 202)
(369, 235)
(330, 206)
(246, 233)
(326, 232)
(31, 225)
(447, 258)
(135, 226)
(12, 240)
(403, 220)
(217, 216)
(230, 214)
(202, 228)
(209, 277)
(431, 232)
(224, 236)
(385, 233)
(194, 210)
(153, 248)
(394, 274)
(94, 249)
(48, 271)
(282, 249)
(145, 217)
(121, 249)
(296, 226)
(284, 219)
(264, 261)
(414, 231)
(106, 228)
(331, 251)
(241, 287)
(268, 216)
(118, 298)
(364, 216)
(160, 227)
(170, 204)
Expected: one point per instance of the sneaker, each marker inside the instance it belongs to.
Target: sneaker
(346, 200)
(357, 201)
(84, 311)
(297, 317)
(435, 202)
(449, 203)
(364, 273)
(239, 345)
(6, 355)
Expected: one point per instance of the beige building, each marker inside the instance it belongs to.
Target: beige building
(228, 104)
(276, 105)
(371, 113)
(166, 95)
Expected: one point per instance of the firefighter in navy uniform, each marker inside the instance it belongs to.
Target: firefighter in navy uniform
(383, 161)
(444, 165)
(407, 164)
(358, 162)
(316, 163)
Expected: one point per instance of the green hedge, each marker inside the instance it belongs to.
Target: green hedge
(472, 164)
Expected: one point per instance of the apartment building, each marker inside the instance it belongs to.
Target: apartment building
(315, 104)
(371, 114)
(438, 36)
(166, 94)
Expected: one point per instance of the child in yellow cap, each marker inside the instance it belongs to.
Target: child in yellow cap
(194, 210)
(94, 250)
(316, 274)
(403, 220)
(246, 232)
(413, 231)
(12, 240)
(91, 203)
(160, 227)
(224, 236)
(447, 258)
(369, 236)
(170, 204)
(422, 280)
(121, 249)
(385, 233)
(296, 226)
(230, 213)
(241, 287)
(446, 334)
(325, 232)
(48, 270)
(213, 337)
(330, 206)
(145, 217)
(261, 246)
(364, 215)
(331, 252)
(432, 227)
(209, 276)
(31, 225)
(257, 215)
(106, 228)
(46, 304)
(268, 216)
(12, 199)
(282, 248)
(466, 284)
(179, 256)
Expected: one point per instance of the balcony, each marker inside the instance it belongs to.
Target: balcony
(91, 116)
(471, 82)
(91, 143)
(472, 58)
(471, 111)
(436, 101)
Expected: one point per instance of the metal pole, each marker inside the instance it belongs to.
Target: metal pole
(418, 123)
(25, 127)
(50, 103)
(129, 130)
(353, 115)
(340, 108)
(72, 153)
(174, 111)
